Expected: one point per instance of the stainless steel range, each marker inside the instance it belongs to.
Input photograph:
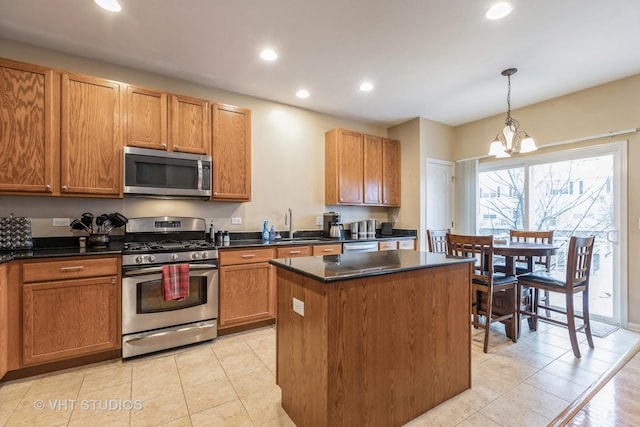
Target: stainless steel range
(150, 320)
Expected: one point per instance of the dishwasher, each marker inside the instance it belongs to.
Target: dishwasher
(360, 247)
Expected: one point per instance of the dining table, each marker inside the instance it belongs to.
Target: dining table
(511, 250)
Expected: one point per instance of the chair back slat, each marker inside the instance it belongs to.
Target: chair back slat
(437, 240)
(579, 260)
(533, 237)
(478, 247)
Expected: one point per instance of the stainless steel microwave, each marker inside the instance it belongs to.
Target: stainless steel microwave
(165, 174)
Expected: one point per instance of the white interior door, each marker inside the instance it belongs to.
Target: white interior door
(440, 196)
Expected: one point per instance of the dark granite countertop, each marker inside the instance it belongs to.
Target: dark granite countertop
(331, 268)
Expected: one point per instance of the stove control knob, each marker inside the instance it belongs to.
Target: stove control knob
(195, 255)
(152, 258)
(205, 255)
(138, 259)
(173, 257)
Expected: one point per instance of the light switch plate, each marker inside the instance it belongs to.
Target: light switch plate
(298, 306)
(236, 220)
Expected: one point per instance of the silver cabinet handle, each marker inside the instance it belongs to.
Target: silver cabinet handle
(74, 268)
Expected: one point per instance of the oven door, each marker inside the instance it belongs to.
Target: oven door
(144, 308)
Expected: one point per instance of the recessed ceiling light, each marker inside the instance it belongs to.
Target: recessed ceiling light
(499, 10)
(302, 93)
(110, 5)
(366, 87)
(269, 55)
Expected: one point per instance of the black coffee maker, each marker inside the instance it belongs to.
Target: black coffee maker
(329, 218)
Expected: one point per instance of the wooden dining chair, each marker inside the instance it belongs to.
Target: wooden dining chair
(485, 283)
(575, 281)
(437, 240)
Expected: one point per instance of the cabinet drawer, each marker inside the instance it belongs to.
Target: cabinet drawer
(388, 245)
(327, 249)
(245, 256)
(69, 269)
(406, 244)
(293, 252)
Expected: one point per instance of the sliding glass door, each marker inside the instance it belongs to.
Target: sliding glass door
(576, 192)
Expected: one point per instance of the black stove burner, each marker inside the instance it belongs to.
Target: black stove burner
(167, 246)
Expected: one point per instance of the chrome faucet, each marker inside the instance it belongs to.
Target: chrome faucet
(288, 220)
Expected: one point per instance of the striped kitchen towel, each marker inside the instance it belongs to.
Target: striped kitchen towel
(175, 282)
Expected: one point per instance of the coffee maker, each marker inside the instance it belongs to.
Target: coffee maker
(329, 217)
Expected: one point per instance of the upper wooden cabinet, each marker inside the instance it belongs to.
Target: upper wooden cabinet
(231, 153)
(361, 169)
(90, 137)
(189, 122)
(162, 121)
(29, 137)
(344, 167)
(146, 118)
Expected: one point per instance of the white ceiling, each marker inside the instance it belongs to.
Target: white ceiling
(435, 59)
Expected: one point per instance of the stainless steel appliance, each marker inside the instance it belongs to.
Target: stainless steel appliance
(328, 218)
(166, 174)
(360, 247)
(149, 322)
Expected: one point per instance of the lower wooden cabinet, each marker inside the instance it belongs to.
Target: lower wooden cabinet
(75, 312)
(247, 287)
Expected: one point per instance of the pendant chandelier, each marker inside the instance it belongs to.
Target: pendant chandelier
(511, 139)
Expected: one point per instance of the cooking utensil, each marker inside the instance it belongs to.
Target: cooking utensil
(87, 219)
(117, 219)
(78, 225)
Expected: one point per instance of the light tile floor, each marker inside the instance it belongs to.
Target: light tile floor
(231, 382)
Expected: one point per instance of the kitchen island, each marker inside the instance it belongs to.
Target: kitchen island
(372, 338)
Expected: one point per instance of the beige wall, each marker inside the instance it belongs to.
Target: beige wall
(607, 108)
(287, 158)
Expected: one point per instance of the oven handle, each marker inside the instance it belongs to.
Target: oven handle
(151, 270)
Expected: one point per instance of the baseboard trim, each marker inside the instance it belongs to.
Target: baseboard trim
(570, 411)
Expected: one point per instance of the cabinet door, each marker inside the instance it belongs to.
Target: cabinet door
(29, 137)
(372, 170)
(91, 138)
(189, 125)
(70, 318)
(231, 153)
(4, 321)
(391, 172)
(247, 294)
(146, 118)
(343, 167)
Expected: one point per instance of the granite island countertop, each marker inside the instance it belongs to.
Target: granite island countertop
(332, 268)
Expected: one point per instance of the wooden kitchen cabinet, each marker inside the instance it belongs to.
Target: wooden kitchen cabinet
(333, 249)
(29, 137)
(70, 308)
(231, 153)
(246, 287)
(162, 121)
(361, 169)
(91, 136)
(344, 167)
(4, 321)
(189, 125)
(293, 252)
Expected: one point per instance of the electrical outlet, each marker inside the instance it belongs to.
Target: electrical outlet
(61, 222)
(298, 306)
(319, 220)
(236, 220)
